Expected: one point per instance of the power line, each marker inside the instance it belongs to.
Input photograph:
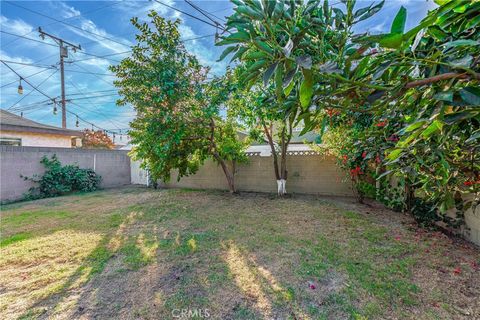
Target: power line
(30, 106)
(74, 94)
(72, 17)
(100, 57)
(44, 80)
(31, 64)
(128, 51)
(100, 96)
(202, 12)
(54, 45)
(23, 37)
(88, 98)
(29, 76)
(92, 73)
(65, 23)
(63, 45)
(28, 82)
(191, 16)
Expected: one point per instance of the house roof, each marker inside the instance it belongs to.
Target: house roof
(12, 122)
(309, 137)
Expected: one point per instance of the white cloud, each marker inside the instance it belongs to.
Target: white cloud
(16, 26)
(67, 11)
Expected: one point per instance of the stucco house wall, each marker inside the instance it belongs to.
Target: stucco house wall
(35, 139)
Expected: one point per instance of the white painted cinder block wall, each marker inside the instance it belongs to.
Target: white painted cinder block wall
(39, 139)
(472, 223)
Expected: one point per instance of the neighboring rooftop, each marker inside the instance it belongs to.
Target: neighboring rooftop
(308, 137)
(12, 122)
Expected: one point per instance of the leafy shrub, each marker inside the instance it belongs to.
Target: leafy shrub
(367, 189)
(426, 213)
(58, 180)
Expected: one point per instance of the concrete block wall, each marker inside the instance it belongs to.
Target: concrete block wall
(310, 174)
(472, 223)
(112, 165)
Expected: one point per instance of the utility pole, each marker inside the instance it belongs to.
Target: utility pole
(63, 45)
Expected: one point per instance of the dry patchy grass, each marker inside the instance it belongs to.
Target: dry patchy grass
(137, 253)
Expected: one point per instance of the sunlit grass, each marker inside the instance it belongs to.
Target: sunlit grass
(136, 253)
(36, 268)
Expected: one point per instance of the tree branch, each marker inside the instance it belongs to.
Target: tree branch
(440, 77)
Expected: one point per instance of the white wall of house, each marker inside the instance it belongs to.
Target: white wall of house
(31, 139)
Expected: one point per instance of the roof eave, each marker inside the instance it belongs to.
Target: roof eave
(63, 132)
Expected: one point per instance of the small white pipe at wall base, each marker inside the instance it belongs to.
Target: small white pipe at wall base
(148, 179)
(95, 162)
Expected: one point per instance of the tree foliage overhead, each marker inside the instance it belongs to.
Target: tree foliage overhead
(178, 123)
(280, 45)
(407, 101)
(422, 85)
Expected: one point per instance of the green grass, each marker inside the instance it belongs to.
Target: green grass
(29, 217)
(137, 253)
(15, 238)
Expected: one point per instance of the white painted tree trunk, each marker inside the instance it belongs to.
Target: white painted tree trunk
(281, 184)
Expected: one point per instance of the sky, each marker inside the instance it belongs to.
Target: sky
(105, 34)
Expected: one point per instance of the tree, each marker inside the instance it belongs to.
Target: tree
(277, 43)
(178, 123)
(420, 90)
(96, 140)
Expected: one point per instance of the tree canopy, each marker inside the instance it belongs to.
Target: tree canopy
(178, 123)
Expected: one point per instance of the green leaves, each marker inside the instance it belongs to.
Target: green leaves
(365, 13)
(268, 73)
(392, 40)
(306, 88)
(444, 96)
(463, 62)
(249, 12)
(304, 61)
(263, 46)
(226, 52)
(395, 154)
(398, 25)
(434, 127)
(471, 95)
(461, 42)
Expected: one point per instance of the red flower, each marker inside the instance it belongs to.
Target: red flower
(377, 159)
(468, 183)
(457, 270)
(381, 124)
(356, 171)
(311, 285)
(364, 154)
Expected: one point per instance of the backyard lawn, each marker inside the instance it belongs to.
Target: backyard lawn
(137, 253)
